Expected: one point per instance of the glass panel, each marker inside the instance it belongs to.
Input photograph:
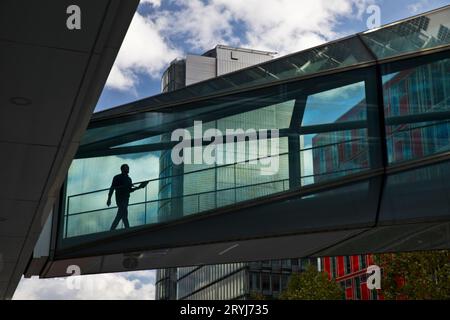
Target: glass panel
(260, 148)
(417, 194)
(336, 143)
(146, 141)
(346, 103)
(423, 32)
(330, 56)
(126, 125)
(417, 109)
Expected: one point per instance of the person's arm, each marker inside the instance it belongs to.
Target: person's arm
(140, 186)
(133, 189)
(111, 191)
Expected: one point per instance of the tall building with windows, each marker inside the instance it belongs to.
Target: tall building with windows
(226, 281)
(238, 280)
(206, 282)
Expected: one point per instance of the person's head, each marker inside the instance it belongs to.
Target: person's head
(125, 168)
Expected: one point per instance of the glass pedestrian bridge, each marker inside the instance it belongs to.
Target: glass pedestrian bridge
(351, 134)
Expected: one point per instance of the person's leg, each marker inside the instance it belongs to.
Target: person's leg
(116, 219)
(125, 215)
(119, 215)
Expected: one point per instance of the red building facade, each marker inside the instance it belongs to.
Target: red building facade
(350, 272)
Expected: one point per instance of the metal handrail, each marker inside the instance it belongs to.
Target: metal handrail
(234, 164)
(236, 188)
(218, 190)
(225, 165)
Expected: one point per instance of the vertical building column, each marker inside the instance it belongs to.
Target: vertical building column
(294, 161)
(294, 143)
(375, 120)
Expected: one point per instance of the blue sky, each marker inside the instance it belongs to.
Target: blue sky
(163, 30)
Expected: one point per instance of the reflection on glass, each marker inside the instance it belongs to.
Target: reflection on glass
(417, 109)
(330, 56)
(345, 103)
(327, 57)
(337, 154)
(418, 193)
(416, 34)
(322, 135)
(334, 153)
(146, 141)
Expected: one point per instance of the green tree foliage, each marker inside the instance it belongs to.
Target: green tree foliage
(312, 285)
(415, 276)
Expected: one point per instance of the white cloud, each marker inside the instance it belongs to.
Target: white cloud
(203, 24)
(287, 26)
(144, 51)
(155, 3)
(137, 285)
(284, 26)
(418, 6)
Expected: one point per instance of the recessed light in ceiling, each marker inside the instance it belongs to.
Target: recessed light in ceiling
(20, 101)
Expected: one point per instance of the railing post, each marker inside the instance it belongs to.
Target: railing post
(145, 205)
(67, 216)
(235, 184)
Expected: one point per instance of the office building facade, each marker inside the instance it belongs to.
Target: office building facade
(250, 280)
(350, 272)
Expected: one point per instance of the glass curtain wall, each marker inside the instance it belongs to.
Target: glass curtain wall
(417, 116)
(327, 127)
(322, 129)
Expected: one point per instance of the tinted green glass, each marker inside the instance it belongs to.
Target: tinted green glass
(322, 131)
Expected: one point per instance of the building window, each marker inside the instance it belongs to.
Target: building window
(358, 288)
(362, 262)
(255, 281)
(275, 282)
(265, 279)
(284, 281)
(286, 264)
(333, 265)
(347, 265)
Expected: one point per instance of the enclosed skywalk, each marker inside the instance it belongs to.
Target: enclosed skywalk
(361, 132)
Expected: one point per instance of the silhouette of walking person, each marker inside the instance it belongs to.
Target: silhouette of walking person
(123, 186)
